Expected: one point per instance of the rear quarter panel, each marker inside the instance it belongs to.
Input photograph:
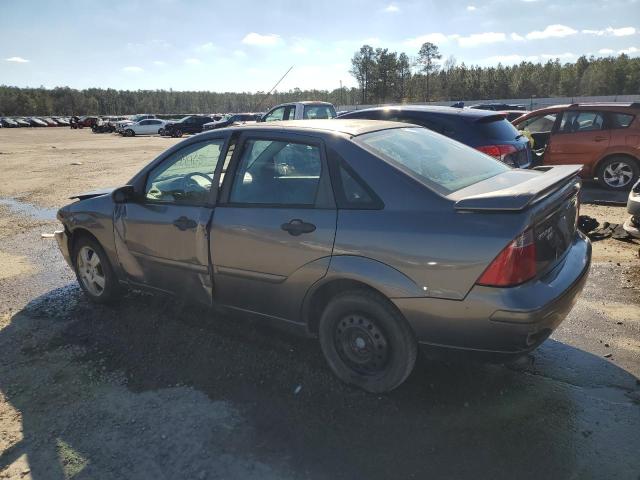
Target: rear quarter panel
(419, 233)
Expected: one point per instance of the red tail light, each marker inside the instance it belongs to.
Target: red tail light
(514, 265)
(498, 152)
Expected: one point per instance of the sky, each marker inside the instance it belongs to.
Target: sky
(242, 45)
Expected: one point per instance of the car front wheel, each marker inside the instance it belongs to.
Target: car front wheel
(129, 133)
(366, 341)
(94, 272)
(618, 172)
(177, 133)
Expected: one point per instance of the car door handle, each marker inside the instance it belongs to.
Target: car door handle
(600, 139)
(297, 227)
(184, 223)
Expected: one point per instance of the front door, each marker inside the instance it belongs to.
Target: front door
(581, 138)
(274, 228)
(162, 238)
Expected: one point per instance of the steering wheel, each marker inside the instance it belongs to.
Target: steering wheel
(189, 180)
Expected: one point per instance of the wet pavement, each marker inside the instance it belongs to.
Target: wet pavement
(153, 388)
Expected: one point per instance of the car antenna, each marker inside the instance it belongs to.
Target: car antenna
(274, 87)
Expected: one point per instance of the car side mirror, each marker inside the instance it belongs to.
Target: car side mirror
(123, 194)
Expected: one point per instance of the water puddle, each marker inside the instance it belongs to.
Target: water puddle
(23, 208)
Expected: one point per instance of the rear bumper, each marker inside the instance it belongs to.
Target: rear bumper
(502, 320)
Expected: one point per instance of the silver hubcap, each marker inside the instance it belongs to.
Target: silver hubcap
(618, 174)
(90, 271)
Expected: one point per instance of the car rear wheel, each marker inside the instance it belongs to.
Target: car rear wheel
(94, 272)
(177, 133)
(366, 341)
(161, 131)
(618, 172)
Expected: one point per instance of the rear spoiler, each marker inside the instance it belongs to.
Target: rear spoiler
(520, 196)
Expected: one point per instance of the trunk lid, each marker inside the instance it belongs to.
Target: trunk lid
(548, 198)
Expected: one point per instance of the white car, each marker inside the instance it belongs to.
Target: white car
(120, 125)
(150, 126)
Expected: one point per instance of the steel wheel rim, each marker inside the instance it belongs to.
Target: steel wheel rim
(90, 271)
(618, 174)
(361, 344)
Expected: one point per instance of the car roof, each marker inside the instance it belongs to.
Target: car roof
(469, 113)
(350, 127)
(305, 102)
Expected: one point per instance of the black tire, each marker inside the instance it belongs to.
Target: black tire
(366, 341)
(177, 133)
(161, 131)
(628, 169)
(111, 290)
(129, 133)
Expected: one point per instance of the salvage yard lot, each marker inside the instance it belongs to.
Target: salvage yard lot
(153, 388)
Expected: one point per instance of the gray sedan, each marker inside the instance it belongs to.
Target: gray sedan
(373, 236)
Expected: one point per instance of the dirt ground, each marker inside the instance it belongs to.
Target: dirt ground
(152, 388)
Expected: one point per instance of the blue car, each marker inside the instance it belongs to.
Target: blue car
(489, 132)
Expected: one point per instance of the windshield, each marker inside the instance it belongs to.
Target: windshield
(437, 161)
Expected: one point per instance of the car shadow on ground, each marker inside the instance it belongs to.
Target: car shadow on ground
(154, 388)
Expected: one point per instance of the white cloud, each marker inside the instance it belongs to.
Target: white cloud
(269, 40)
(16, 60)
(436, 38)
(239, 53)
(206, 47)
(552, 31)
(629, 51)
(159, 63)
(192, 61)
(299, 49)
(606, 51)
(471, 8)
(133, 69)
(517, 38)
(391, 8)
(476, 39)
(616, 32)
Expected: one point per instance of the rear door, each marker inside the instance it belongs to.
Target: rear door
(581, 138)
(274, 227)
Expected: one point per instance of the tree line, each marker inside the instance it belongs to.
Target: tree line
(385, 77)
(382, 77)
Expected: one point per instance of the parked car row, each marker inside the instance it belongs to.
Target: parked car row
(17, 122)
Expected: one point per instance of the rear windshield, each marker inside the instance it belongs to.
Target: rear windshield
(313, 112)
(497, 129)
(437, 161)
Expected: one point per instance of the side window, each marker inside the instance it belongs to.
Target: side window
(619, 120)
(581, 121)
(539, 124)
(145, 122)
(277, 114)
(186, 176)
(277, 172)
(313, 112)
(353, 191)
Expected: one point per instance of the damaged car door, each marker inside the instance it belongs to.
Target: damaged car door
(162, 234)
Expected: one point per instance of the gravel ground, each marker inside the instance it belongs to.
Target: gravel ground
(152, 388)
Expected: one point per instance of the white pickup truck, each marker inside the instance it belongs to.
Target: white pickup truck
(300, 111)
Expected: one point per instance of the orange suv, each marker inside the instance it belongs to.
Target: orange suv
(604, 137)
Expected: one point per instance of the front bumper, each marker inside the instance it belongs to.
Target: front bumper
(502, 320)
(63, 244)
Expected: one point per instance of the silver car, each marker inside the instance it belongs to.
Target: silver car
(374, 236)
